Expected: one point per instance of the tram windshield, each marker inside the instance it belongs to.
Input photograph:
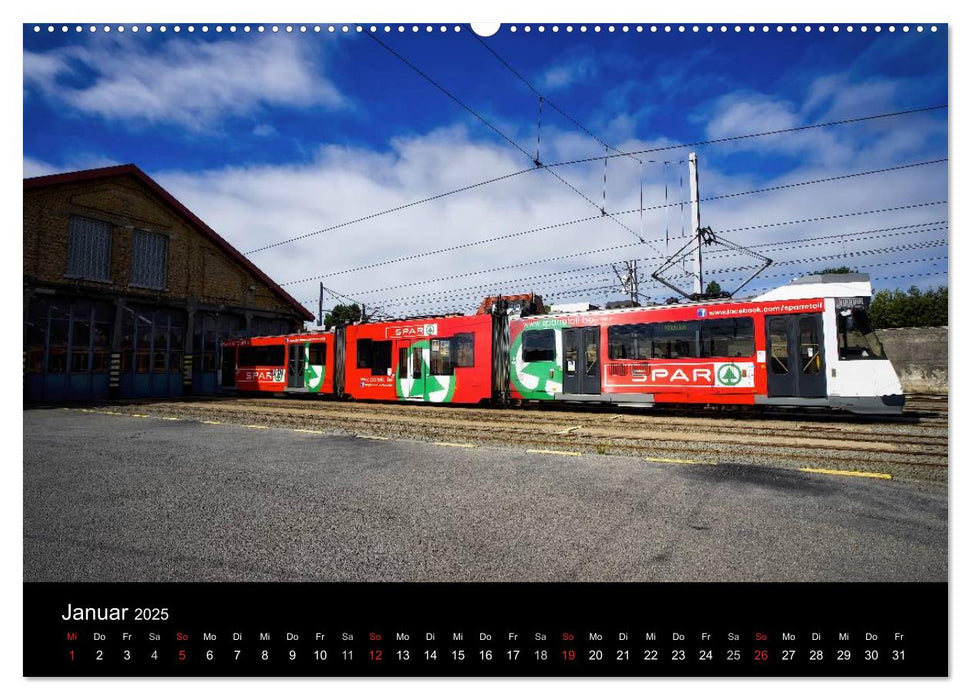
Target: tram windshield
(857, 341)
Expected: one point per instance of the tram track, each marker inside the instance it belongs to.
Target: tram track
(753, 425)
(915, 449)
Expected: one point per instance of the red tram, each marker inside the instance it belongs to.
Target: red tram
(807, 343)
(289, 363)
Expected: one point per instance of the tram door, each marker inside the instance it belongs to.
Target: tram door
(411, 372)
(296, 363)
(795, 349)
(581, 360)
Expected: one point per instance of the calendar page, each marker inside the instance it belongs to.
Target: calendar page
(493, 350)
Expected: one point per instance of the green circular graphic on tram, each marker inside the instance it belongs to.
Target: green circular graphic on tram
(542, 379)
(729, 375)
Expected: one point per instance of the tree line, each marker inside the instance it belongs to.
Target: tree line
(915, 308)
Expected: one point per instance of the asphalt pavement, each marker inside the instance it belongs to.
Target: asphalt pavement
(121, 498)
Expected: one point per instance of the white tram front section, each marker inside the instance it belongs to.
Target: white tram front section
(859, 377)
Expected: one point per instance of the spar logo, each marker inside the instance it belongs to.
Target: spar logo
(422, 330)
(673, 374)
(262, 375)
(729, 375)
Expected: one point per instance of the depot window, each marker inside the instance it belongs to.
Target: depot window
(539, 346)
(728, 338)
(857, 340)
(88, 249)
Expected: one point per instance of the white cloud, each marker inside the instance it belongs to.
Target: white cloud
(256, 205)
(34, 167)
(260, 205)
(570, 69)
(194, 84)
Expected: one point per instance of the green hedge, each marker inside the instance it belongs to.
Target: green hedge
(911, 309)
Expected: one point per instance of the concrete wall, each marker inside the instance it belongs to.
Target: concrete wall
(920, 357)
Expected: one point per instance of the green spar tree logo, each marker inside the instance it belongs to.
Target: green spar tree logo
(729, 375)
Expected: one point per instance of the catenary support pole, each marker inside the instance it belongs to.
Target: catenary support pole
(695, 219)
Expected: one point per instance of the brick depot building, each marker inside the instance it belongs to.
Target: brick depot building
(128, 294)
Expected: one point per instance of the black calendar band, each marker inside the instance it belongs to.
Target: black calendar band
(485, 629)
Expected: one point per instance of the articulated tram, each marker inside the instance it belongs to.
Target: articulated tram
(806, 344)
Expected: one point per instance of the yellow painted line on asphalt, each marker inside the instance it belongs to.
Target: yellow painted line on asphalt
(372, 437)
(139, 415)
(554, 452)
(257, 427)
(112, 413)
(169, 418)
(846, 472)
(671, 460)
(454, 444)
(566, 431)
(307, 430)
(212, 422)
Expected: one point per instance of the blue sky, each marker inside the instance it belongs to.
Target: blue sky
(271, 136)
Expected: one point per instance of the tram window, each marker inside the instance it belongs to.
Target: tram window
(673, 340)
(440, 362)
(590, 351)
(380, 357)
(857, 341)
(809, 355)
(363, 353)
(275, 354)
(620, 342)
(318, 353)
(261, 356)
(463, 345)
(539, 346)
(629, 342)
(728, 338)
(778, 346)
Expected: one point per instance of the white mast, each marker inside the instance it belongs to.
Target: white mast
(695, 218)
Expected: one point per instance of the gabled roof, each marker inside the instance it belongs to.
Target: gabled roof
(33, 183)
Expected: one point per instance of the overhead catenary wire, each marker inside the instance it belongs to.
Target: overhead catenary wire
(868, 234)
(494, 128)
(791, 244)
(463, 292)
(434, 307)
(466, 188)
(681, 203)
(529, 85)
